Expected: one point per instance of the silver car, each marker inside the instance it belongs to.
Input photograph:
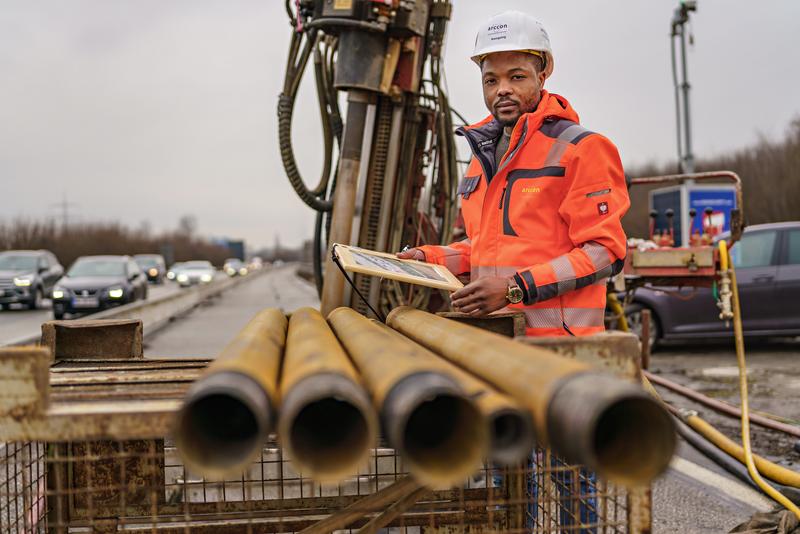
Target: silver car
(195, 272)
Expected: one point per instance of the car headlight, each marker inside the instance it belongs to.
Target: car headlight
(231, 271)
(115, 292)
(243, 271)
(22, 281)
(153, 272)
(58, 293)
(171, 275)
(206, 278)
(183, 278)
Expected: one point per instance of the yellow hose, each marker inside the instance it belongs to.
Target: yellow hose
(726, 263)
(773, 471)
(616, 307)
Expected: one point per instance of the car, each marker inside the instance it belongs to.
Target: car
(234, 267)
(95, 283)
(27, 277)
(173, 271)
(196, 272)
(767, 262)
(153, 266)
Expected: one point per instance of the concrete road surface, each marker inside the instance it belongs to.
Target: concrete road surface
(18, 323)
(206, 330)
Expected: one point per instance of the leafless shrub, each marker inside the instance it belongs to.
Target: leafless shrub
(70, 242)
(770, 172)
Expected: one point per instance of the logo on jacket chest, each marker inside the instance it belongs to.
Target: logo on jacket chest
(531, 190)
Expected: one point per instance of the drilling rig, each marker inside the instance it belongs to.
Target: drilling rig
(390, 167)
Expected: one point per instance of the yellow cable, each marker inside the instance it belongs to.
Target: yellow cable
(773, 471)
(616, 307)
(726, 262)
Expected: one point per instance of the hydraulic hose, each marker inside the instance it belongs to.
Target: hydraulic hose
(725, 265)
(296, 64)
(722, 407)
(701, 440)
(770, 470)
(723, 460)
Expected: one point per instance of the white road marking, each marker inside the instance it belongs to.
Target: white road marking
(729, 487)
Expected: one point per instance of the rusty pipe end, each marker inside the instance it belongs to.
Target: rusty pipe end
(613, 427)
(225, 420)
(511, 436)
(328, 426)
(440, 433)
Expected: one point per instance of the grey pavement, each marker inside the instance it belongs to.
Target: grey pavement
(204, 331)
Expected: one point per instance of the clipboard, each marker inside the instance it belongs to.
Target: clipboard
(383, 265)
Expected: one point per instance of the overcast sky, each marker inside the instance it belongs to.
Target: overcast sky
(145, 110)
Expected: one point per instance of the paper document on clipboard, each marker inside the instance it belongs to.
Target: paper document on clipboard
(383, 265)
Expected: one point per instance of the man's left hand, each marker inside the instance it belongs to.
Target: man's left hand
(481, 297)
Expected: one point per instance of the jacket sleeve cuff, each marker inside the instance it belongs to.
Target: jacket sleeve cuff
(525, 282)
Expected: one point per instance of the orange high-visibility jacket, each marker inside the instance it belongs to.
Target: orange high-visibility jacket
(550, 216)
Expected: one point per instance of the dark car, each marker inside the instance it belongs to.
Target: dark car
(95, 283)
(152, 265)
(767, 261)
(27, 277)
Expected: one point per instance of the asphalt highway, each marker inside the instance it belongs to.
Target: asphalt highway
(17, 323)
(204, 331)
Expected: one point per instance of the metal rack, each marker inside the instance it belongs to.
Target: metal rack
(89, 453)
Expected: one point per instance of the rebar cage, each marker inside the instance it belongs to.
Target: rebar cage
(142, 486)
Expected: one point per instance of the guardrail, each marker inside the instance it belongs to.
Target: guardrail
(156, 313)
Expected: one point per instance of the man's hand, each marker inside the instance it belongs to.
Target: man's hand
(411, 254)
(481, 297)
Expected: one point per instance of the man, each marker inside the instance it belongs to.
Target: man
(542, 198)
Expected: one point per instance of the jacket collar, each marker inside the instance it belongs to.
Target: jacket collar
(482, 136)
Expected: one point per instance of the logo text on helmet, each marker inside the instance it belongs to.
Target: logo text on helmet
(498, 27)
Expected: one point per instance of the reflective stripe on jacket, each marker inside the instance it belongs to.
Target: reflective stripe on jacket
(549, 216)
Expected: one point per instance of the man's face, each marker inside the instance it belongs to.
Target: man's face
(511, 85)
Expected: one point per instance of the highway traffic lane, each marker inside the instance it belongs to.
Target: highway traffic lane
(19, 323)
(205, 331)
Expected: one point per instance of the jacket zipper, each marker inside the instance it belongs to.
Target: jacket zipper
(502, 197)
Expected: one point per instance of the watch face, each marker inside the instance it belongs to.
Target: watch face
(514, 295)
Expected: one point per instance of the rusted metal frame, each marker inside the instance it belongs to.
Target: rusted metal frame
(442, 501)
(93, 469)
(142, 419)
(509, 324)
(147, 364)
(392, 512)
(75, 394)
(57, 501)
(639, 506)
(93, 338)
(398, 490)
(133, 377)
(453, 522)
(646, 320)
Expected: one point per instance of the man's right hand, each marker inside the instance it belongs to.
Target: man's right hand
(412, 254)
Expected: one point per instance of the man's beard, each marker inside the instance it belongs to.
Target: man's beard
(510, 123)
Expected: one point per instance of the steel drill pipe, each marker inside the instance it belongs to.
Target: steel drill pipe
(510, 425)
(229, 412)
(327, 423)
(613, 427)
(426, 415)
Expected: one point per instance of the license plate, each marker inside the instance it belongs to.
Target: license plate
(86, 302)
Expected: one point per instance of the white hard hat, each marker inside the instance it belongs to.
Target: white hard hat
(513, 31)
